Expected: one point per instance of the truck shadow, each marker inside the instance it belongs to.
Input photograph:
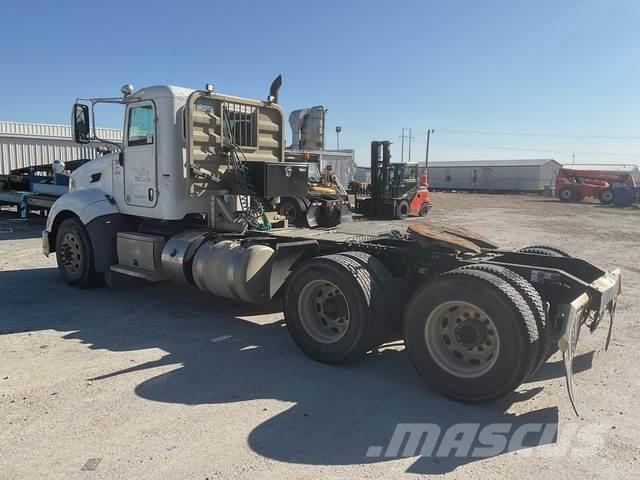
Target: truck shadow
(14, 228)
(224, 352)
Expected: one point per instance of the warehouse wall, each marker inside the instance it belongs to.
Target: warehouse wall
(27, 144)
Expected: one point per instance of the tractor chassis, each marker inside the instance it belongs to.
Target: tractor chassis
(574, 291)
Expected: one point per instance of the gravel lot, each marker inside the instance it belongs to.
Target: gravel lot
(159, 381)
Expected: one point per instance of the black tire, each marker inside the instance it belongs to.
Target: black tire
(391, 294)
(514, 324)
(606, 196)
(74, 255)
(402, 210)
(548, 250)
(424, 210)
(567, 194)
(329, 218)
(360, 291)
(292, 209)
(534, 301)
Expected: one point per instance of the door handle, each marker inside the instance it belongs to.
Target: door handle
(151, 194)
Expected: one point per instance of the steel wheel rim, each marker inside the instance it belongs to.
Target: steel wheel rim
(323, 311)
(566, 194)
(607, 196)
(71, 253)
(462, 339)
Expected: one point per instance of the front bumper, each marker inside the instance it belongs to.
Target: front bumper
(587, 310)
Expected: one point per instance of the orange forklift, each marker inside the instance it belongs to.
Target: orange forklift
(395, 191)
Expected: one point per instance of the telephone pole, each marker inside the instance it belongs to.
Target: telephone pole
(409, 137)
(426, 156)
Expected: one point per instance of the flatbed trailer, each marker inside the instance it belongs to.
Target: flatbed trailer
(35, 187)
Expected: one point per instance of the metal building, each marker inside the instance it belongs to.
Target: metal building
(363, 174)
(27, 144)
(342, 161)
(493, 175)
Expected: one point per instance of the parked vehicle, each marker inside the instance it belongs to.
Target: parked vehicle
(573, 185)
(325, 203)
(396, 190)
(190, 196)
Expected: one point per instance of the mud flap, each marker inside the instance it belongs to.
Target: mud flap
(573, 316)
(312, 216)
(346, 215)
(285, 257)
(612, 313)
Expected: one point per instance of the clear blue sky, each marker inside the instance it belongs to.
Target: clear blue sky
(515, 66)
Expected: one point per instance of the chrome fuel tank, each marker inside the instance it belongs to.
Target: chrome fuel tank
(229, 269)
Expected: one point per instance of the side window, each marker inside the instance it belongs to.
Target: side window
(141, 126)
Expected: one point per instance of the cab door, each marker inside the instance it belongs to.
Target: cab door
(140, 172)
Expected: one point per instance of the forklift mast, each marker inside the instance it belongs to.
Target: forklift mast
(380, 161)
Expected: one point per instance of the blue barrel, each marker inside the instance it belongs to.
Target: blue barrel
(625, 196)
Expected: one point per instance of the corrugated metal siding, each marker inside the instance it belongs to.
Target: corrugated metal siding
(363, 175)
(47, 130)
(28, 144)
(343, 165)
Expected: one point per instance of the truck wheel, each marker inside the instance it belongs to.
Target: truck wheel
(606, 196)
(534, 301)
(547, 250)
(330, 218)
(424, 210)
(334, 309)
(471, 335)
(74, 254)
(402, 210)
(291, 210)
(566, 195)
(390, 294)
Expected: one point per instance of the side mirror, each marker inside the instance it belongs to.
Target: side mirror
(81, 123)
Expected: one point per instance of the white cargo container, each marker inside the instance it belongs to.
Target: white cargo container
(29, 144)
(493, 175)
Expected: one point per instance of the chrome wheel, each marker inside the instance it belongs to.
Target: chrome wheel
(462, 339)
(71, 253)
(323, 311)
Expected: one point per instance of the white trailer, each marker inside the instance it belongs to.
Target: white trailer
(493, 175)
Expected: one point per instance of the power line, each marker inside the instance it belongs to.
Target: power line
(541, 150)
(525, 134)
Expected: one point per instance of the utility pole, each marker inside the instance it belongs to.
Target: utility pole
(426, 156)
(409, 137)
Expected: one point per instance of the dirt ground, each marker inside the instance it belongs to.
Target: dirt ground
(160, 381)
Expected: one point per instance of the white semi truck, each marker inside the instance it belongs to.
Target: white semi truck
(190, 195)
